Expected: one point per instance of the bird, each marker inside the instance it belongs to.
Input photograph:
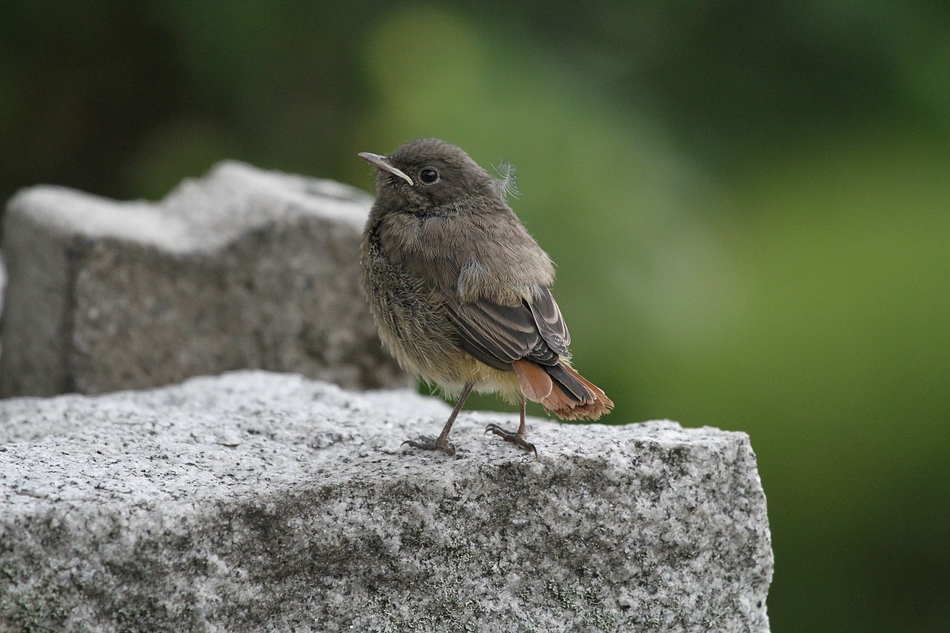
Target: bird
(460, 291)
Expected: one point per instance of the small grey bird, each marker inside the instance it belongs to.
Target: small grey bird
(459, 289)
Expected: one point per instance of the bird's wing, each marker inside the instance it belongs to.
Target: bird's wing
(499, 335)
(550, 323)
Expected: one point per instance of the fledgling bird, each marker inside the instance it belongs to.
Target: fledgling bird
(459, 289)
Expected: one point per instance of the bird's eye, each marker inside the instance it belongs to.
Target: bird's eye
(428, 175)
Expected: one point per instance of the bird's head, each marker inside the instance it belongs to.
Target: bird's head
(428, 175)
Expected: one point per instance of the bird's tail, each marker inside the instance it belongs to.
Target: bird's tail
(561, 390)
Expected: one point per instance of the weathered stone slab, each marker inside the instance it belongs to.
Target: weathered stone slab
(256, 501)
(241, 269)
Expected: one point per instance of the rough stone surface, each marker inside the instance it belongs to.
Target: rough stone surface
(241, 269)
(256, 501)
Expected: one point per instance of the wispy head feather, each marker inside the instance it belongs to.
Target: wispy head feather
(506, 184)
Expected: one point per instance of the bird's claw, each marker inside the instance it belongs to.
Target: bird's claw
(513, 437)
(427, 443)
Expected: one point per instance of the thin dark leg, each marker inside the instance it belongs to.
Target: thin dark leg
(522, 429)
(441, 443)
(519, 438)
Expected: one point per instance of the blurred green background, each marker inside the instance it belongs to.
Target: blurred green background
(749, 204)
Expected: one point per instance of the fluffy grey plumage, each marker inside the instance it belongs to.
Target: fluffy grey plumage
(459, 289)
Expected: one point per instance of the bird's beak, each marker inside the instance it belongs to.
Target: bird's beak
(381, 162)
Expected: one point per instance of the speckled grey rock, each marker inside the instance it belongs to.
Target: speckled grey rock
(242, 268)
(256, 501)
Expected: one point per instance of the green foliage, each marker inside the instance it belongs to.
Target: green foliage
(838, 366)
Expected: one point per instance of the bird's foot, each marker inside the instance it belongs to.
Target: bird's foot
(515, 438)
(427, 443)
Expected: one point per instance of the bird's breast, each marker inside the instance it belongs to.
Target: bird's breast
(433, 247)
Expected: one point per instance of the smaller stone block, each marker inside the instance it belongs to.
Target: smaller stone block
(243, 268)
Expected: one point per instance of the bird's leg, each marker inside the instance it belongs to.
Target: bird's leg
(518, 438)
(441, 443)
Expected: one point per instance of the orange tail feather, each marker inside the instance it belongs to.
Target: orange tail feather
(537, 385)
